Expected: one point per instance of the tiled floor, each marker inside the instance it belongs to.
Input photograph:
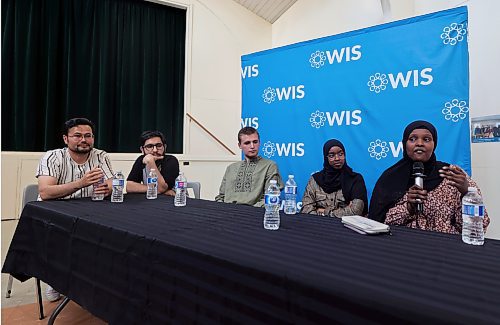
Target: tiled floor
(21, 308)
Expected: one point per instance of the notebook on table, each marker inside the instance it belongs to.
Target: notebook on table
(364, 225)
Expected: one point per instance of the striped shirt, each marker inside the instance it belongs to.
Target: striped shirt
(59, 164)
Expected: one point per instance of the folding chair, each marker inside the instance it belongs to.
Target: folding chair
(196, 186)
(30, 194)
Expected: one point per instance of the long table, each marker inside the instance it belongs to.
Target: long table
(148, 262)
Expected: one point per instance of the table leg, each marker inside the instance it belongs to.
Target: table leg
(39, 298)
(9, 287)
(57, 311)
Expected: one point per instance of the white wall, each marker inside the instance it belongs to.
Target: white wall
(308, 19)
(221, 31)
(484, 50)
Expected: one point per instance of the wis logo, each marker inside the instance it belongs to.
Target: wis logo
(318, 58)
(378, 82)
(269, 94)
(292, 149)
(345, 117)
(378, 149)
(250, 121)
(250, 71)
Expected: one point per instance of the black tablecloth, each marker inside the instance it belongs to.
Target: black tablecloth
(146, 261)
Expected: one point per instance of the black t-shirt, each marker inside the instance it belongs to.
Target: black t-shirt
(168, 167)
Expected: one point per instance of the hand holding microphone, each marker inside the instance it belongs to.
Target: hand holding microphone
(416, 193)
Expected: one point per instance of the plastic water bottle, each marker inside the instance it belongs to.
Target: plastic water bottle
(272, 204)
(290, 196)
(95, 196)
(152, 191)
(472, 217)
(180, 190)
(118, 183)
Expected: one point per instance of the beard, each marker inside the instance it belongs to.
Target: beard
(79, 149)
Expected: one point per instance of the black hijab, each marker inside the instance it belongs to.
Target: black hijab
(397, 179)
(331, 179)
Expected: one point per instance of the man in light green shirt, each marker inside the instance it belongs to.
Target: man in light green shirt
(246, 182)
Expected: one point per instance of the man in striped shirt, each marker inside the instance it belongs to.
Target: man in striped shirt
(70, 172)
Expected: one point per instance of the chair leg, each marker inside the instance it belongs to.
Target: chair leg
(39, 298)
(9, 286)
(57, 311)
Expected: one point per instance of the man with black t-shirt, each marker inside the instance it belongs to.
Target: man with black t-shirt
(153, 146)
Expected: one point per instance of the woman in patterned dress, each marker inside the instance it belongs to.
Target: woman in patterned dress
(395, 196)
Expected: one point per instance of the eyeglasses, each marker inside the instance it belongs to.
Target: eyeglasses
(79, 136)
(150, 146)
(333, 155)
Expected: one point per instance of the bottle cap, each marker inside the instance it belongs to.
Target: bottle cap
(291, 176)
(273, 181)
(472, 189)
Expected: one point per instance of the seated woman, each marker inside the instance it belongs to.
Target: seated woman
(395, 196)
(335, 191)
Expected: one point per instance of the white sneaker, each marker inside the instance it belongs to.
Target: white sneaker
(51, 294)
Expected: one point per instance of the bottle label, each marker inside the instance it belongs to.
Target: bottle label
(290, 189)
(473, 210)
(271, 199)
(118, 182)
(152, 180)
(179, 184)
(101, 180)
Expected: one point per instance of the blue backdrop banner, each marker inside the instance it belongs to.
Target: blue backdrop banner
(362, 87)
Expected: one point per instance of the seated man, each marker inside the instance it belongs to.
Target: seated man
(246, 182)
(153, 146)
(71, 172)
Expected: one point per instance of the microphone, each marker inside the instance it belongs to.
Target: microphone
(418, 173)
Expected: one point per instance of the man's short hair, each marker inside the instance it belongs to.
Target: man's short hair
(75, 122)
(247, 130)
(146, 135)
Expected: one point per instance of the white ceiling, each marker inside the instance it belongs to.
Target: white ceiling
(269, 10)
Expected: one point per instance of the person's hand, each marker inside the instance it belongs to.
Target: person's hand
(91, 177)
(150, 159)
(170, 192)
(456, 176)
(102, 189)
(416, 194)
(320, 211)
